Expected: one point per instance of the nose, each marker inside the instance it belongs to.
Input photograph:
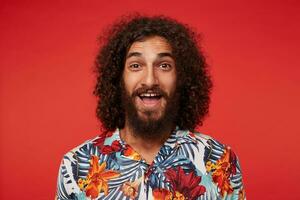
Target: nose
(150, 77)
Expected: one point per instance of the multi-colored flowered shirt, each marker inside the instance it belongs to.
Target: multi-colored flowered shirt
(188, 166)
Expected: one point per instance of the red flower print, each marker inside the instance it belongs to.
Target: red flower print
(99, 142)
(114, 147)
(184, 185)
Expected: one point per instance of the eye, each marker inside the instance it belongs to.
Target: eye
(165, 66)
(135, 67)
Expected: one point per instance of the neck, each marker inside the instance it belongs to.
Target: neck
(147, 148)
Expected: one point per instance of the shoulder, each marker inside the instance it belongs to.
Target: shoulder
(77, 159)
(75, 165)
(222, 164)
(214, 149)
(210, 144)
(87, 147)
(208, 140)
(209, 149)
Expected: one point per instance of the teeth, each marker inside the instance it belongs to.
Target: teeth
(149, 95)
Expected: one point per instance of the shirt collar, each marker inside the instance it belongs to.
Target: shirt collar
(177, 137)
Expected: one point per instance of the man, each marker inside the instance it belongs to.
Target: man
(153, 88)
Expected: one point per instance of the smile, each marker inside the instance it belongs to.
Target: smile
(150, 100)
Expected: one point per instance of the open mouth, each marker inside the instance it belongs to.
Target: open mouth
(150, 99)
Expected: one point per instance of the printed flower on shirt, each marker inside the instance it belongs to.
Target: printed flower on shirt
(130, 189)
(131, 153)
(161, 194)
(97, 178)
(222, 170)
(107, 149)
(184, 185)
(114, 147)
(101, 138)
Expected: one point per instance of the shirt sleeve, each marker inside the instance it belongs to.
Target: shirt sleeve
(223, 166)
(235, 178)
(67, 187)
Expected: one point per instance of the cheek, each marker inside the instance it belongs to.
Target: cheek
(168, 83)
(130, 82)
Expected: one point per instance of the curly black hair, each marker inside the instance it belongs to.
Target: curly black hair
(195, 82)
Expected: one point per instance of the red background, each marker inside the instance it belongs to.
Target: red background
(46, 82)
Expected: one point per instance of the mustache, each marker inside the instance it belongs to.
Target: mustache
(154, 89)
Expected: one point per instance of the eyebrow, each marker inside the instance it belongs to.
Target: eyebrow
(165, 54)
(131, 54)
(160, 55)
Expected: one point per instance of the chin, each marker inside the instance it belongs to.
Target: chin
(150, 116)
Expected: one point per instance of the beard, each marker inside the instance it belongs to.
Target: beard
(150, 127)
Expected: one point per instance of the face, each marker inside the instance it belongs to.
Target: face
(149, 76)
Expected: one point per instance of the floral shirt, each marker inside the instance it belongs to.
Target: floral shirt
(188, 166)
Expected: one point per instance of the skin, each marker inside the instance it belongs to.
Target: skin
(148, 63)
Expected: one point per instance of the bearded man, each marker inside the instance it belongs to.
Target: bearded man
(153, 89)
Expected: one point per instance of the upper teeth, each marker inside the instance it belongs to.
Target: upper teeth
(149, 95)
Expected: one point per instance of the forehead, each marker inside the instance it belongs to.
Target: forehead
(153, 43)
